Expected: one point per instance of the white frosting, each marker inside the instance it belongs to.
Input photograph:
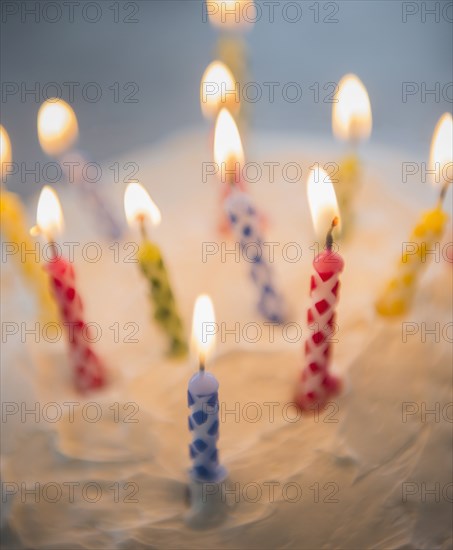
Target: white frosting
(362, 460)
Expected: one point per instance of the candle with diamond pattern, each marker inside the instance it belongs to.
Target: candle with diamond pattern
(244, 218)
(140, 209)
(88, 370)
(203, 400)
(351, 122)
(14, 229)
(398, 295)
(317, 384)
(58, 132)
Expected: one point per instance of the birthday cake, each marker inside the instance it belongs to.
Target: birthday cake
(110, 469)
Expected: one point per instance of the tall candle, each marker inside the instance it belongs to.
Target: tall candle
(203, 401)
(399, 292)
(88, 370)
(58, 132)
(351, 122)
(317, 385)
(140, 209)
(14, 229)
(244, 218)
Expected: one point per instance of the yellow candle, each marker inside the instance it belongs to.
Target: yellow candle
(351, 122)
(15, 233)
(139, 207)
(400, 290)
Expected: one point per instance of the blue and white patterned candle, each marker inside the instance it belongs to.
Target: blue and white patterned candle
(244, 218)
(203, 400)
(246, 226)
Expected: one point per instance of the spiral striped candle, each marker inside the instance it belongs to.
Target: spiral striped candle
(398, 295)
(88, 371)
(246, 227)
(317, 385)
(203, 400)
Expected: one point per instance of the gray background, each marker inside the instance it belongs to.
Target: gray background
(167, 50)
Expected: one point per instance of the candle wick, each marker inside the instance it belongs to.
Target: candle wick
(329, 237)
(141, 220)
(202, 364)
(443, 192)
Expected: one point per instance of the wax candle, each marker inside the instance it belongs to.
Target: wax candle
(218, 90)
(15, 234)
(245, 219)
(351, 122)
(399, 292)
(140, 209)
(317, 385)
(58, 132)
(203, 401)
(88, 370)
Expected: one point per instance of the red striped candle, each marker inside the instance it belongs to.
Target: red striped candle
(317, 384)
(88, 371)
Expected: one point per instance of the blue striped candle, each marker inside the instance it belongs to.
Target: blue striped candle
(203, 400)
(245, 224)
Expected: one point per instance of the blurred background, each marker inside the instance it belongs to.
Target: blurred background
(136, 68)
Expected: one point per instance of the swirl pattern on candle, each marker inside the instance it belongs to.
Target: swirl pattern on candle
(317, 384)
(203, 400)
(398, 295)
(165, 309)
(89, 372)
(245, 223)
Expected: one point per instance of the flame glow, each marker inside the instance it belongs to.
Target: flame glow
(138, 205)
(351, 114)
(231, 14)
(49, 216)
(203, 337)
(227, 142)
(322, 201)
(441, 156)
(217, 90)
(6, 155)
(58, 129)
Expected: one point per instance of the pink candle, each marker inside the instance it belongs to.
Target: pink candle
(317, 385)
(88, 371)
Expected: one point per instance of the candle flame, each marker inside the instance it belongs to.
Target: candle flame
(203, 321)
(49, 216)
(231, 14)
(227, 142)
(6, 155)
(57, 126)
(139, 206)
(351, 113)
(323, 202)
(441, 156)
(217, 90)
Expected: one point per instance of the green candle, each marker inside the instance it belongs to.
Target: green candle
(140, 208)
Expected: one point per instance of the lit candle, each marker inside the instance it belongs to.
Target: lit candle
(400, 290)
(232, 18)
(140, 209)
(15, 233)
(244, 218)
(88, 371)
(58, 132)
(218, 89)
(203, 400)
(351, 122)
(317, 384)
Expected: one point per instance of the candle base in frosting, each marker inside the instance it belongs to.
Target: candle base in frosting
(208, 504)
